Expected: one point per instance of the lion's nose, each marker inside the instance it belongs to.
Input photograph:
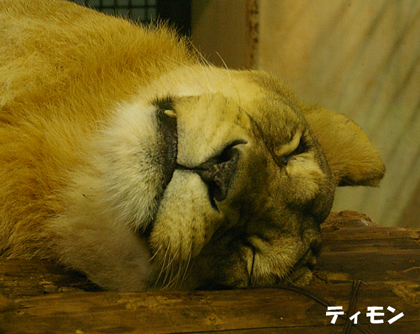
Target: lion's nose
(219, 171)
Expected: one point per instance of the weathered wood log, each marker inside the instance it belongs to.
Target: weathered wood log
(173, 312)
(42, 297)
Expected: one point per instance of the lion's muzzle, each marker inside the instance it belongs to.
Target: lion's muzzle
(219, 171)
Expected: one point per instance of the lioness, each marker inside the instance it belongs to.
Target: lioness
(124, 156)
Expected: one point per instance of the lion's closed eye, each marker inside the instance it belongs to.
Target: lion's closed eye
(297, 145)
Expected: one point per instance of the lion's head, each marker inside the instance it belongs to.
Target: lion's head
(222, 176)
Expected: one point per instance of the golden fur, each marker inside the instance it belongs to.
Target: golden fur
(124, 157)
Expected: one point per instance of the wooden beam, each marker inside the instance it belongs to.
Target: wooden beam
(42, 297)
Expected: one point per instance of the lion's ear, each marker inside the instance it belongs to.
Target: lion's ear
(352, 158)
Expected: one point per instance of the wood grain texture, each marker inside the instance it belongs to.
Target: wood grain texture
(41, 297)
(188, 312)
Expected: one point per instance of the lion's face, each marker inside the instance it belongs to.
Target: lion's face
(224, 179)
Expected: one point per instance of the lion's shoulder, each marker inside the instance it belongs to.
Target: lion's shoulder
(64, 48)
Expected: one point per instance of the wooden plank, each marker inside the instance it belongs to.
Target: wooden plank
(375, 239)
(188, 312)
(350, 231)
(371, 266)
(20, 278)
(46, 298)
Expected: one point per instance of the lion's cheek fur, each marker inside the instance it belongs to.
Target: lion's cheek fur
(87, 236)
(97, 250)
(129, 167)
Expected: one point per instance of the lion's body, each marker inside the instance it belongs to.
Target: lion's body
(57, 73)
(84, 176)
